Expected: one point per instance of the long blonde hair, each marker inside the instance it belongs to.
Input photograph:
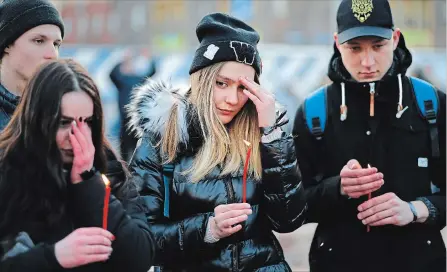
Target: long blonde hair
(223, 146)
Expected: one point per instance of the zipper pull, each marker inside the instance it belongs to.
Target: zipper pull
(372, 91)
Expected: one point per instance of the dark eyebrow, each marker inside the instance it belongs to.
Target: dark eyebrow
(71, 118)
(45, 37)
(66, 117)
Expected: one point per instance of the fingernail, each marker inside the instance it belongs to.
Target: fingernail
(364, 222)
(74, 123)
(360, 209)
(113, 237)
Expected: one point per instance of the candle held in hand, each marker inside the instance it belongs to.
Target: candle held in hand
(244, 177)
(105, 212)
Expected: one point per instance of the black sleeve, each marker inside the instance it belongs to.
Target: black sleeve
(322, 192)
(152, 69)
(37, 259)
(284, 198)
(134, 246)
(114, 76)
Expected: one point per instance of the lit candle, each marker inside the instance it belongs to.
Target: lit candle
(244, 177)
(105, 212)
(368, 228)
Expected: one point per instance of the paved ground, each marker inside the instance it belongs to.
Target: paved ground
(296, 246)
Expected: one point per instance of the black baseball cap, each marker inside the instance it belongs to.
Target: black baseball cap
(360, 18)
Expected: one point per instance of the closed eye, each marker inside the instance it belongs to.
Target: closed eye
(64, 123)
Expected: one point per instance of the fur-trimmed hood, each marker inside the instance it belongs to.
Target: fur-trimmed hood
(149, 110)
(150, 107)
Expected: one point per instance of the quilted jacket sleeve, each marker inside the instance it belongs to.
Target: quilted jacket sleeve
(284, 197)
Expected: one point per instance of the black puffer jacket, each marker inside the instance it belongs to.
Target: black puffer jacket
(8, 103)
(277, 201)
(396, 147)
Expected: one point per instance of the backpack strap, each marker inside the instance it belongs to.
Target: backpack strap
(428, 106)
(168, 175)
(315, 112)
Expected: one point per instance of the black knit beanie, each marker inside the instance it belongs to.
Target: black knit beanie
(19, 16)
(225, 38)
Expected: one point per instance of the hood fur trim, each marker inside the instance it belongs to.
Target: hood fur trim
(150, 107)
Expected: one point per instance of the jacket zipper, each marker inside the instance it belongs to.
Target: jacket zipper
(234, 250)
(373, 123)
(372, 92)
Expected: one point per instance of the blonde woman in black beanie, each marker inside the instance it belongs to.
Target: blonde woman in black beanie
(31, 32)
(190, 159)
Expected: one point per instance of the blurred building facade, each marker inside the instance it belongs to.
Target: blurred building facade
(169, 25)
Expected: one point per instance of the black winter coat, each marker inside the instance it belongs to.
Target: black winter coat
(133, 248)
(394, 146)
(277, 201)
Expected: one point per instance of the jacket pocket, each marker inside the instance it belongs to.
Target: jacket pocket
(408, 156)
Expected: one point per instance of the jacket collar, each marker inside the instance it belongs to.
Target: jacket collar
(8, 101)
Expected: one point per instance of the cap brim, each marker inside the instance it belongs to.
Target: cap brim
(363, 31)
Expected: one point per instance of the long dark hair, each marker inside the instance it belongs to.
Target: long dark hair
(32, 181)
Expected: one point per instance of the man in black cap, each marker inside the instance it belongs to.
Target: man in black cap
(31, 33)
(370, 146)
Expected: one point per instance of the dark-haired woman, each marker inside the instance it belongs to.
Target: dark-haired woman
(52, 155)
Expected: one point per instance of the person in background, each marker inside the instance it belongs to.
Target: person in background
(31, 33)
(131, 72)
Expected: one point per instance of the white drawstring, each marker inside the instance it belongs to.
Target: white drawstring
(343, 107)
(400, 107)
